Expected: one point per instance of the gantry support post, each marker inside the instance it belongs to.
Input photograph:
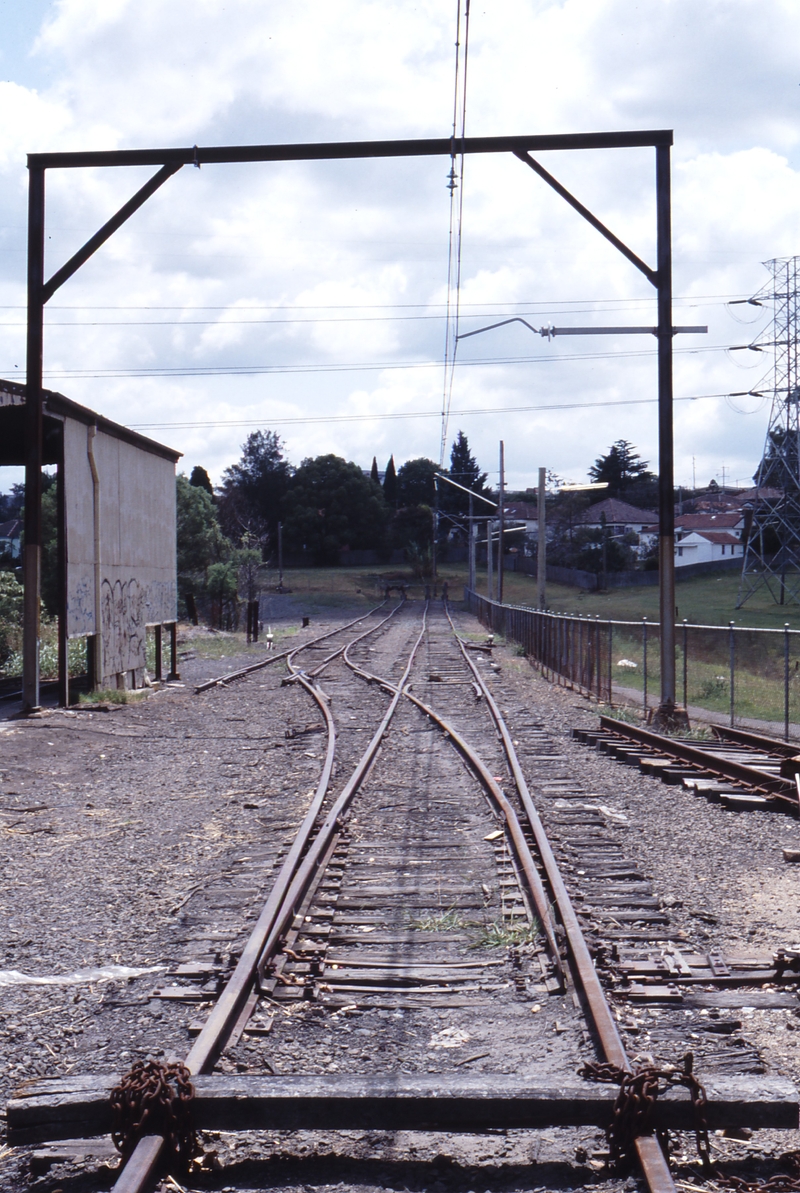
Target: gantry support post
(665, 716)
(32, 550)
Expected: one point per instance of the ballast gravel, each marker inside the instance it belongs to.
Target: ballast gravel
(113, 824)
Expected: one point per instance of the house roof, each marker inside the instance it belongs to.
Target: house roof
(616, 511)
(12, 529)
(709, 521)
(522, 509)
(723, 537)
(765, 494)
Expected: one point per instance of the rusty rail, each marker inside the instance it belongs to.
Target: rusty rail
(274, 658)
(294, 879)
(776, 788)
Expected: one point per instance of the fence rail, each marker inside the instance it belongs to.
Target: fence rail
(738, 673)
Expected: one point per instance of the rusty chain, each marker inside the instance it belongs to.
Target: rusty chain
(633, 1109)
(782, 1182)
(155, 1099)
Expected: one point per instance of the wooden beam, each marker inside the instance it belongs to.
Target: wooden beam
(76, 1107)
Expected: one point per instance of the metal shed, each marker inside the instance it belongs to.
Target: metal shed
(117, 550)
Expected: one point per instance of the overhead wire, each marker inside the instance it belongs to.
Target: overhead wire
(453, 306)
(411, 414)
(253, 370)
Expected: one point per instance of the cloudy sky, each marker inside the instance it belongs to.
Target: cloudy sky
(309, 298)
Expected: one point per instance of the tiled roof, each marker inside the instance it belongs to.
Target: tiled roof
(616, 512)
(709, 521)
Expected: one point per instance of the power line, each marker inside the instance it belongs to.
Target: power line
(364, 367)
(353, 418)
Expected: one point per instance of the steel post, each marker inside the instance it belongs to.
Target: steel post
(685, 663)
(541, 561)
(61, 539)
(644, 664)
(610, 671)
(786, 681)
(732, 667)
(32, 552)
(500, 543)
(666, 500)
(472, 529)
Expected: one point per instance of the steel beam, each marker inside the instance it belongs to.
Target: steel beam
(331, 151)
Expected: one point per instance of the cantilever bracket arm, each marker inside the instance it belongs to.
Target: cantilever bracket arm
(108, 229)
(650, 274)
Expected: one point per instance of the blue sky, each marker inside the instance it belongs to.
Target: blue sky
(298, 294)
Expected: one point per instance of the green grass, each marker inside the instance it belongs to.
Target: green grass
(704, 600)
(442, 921)
(500, 935)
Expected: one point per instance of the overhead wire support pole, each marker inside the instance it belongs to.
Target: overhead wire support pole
(39, 293)
(32, 550)
(665, 716)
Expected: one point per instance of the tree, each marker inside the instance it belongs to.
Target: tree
(412, 531)
(200, 540)
(415, 482)
(252, 489)
(624, 471)
(11, 503)
(465, 471)
(390, 484)
(201, 480)
(331, 505)
(373, 473)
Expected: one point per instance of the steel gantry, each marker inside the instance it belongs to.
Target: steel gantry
(169, 161)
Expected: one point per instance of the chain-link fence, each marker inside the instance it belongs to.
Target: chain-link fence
(734, 673)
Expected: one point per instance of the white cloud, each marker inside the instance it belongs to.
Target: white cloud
(302, 251)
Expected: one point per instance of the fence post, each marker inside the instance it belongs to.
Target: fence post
(610, 666)
(644, 664)
(597, 657)
(786, 681)
(732, 667)
(685, 662)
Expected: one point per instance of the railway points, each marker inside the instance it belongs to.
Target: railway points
(451, 926)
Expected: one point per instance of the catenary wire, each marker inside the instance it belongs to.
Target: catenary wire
(348, 418)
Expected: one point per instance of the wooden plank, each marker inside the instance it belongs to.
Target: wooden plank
(78, 1107)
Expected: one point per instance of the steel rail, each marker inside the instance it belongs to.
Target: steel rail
(293, 881)
(651, 1158)
(316, 671)
(758, 741)
(739, 772)
(274, 658)
(476, 763)
(308, 870)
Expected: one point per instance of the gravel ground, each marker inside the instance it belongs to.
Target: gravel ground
(127, 833)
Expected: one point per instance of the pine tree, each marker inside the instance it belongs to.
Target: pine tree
(464, 467)
(201, 480)
(373, 475)
(390, 484)
(465, 471)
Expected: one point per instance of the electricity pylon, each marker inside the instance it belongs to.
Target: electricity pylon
(772, 527)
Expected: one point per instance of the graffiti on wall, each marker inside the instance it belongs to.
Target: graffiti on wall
(123, 618)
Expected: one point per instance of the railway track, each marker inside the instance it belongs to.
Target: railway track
(419, 853)
(742, 770)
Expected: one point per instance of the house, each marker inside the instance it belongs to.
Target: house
(731, 521)
(620, 518)
(10, 539)
(707, 546)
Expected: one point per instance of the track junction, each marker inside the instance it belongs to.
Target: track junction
(445, 862)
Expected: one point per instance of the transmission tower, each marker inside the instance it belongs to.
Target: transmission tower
(772, 529)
